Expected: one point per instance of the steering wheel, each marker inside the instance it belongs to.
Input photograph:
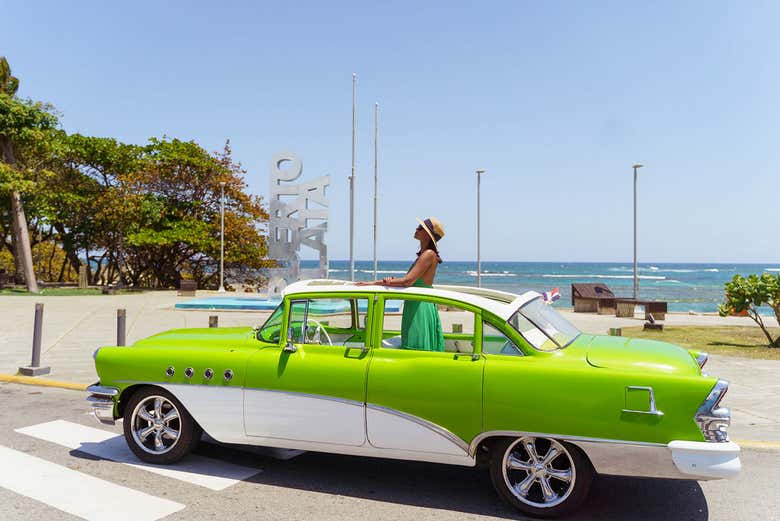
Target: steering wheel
(509, 349)
(319, 329)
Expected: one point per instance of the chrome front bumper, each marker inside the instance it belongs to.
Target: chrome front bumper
(102, 401)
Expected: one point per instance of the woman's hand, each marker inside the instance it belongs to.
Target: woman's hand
(366, 283)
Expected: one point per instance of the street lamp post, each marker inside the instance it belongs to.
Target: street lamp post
(222, 239)
(479, 259)
(352, 187)
(636, 278)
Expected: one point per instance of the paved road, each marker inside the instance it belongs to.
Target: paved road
(228, 483)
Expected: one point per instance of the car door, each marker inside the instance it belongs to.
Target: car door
(311, 387)
(429, 401)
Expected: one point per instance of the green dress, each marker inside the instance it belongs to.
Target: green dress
(421, 325)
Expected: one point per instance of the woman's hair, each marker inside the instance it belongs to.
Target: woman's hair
(430, 245)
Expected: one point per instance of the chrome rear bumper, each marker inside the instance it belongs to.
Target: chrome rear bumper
(102, 401)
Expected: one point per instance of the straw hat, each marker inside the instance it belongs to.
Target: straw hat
(433, 228)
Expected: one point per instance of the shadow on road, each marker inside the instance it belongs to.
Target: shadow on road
(469, 490)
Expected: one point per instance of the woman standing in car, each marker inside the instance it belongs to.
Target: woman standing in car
(420, 325)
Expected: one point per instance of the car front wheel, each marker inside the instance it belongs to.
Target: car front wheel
(541, 477)
(158, 428)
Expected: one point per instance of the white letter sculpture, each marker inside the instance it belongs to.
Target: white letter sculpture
(290, 223)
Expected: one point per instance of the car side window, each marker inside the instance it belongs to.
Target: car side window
(423, 325)
(494, 342)
(271, 330)
(329, 321)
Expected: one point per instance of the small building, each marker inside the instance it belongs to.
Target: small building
(590, 298)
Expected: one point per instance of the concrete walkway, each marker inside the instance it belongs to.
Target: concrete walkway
(75, 326)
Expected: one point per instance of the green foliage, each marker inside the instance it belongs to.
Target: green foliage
(8, 84)
(144, 214)
(748, 294)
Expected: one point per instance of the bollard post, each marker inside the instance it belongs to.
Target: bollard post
(615, 331)
(83, 277)
(35, 369)
(213, 321)
(121, 320)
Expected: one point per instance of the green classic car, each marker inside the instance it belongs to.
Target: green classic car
(517, 388)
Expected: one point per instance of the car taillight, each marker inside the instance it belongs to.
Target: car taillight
(714, 421)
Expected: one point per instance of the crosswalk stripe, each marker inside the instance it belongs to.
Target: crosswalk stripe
(77, 493)
(197, 470)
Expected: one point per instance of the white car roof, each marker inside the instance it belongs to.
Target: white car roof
(501, 303)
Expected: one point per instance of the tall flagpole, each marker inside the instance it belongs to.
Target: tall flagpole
(376, 172)
(352, 189)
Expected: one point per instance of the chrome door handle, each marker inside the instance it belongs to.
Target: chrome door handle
(290, 348)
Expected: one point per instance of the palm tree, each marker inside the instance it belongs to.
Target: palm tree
(23, 254)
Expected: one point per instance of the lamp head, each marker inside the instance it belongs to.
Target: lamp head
(637, 166)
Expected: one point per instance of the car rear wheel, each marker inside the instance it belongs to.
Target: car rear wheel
(541, 477)
(158, 428)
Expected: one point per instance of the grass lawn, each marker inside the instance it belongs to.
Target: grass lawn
(63, 292)
(744, 341)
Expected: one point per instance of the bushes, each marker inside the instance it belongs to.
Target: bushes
(748, 294)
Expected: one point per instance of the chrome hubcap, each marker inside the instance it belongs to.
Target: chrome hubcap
(156, 425)
(539, 471)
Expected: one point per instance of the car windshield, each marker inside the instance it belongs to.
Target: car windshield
(269, 332)
(542, 326)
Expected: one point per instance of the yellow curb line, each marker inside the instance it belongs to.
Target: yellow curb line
(31, 380)
(748, 444)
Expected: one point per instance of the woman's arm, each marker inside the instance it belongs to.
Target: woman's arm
(420, 267)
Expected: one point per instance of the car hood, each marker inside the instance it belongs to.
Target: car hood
(199, 337)
(637, 354)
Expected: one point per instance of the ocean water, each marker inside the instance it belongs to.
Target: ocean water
(686, 287)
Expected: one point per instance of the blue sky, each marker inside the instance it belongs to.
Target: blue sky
(555, 100)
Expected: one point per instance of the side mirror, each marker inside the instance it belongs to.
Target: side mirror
(289, 347)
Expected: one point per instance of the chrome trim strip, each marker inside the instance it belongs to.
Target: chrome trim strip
(702, 359)
(653, 409)
(481, 437)
(218, 386)
(441, 431)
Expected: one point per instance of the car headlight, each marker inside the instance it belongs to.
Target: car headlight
(714, 421)
(701, 359)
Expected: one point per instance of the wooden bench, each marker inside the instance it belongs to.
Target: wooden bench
(187, 288)
(589, 298)
(625, 308)
(6, 279)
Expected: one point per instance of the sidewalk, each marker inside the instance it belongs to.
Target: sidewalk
(74, 327)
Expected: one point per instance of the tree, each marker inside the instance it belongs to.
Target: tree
(22, 123)
(82, 201)
(174, 199)
(748, 294)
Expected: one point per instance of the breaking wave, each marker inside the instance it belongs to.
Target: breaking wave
(585, 276)
(490, 274)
